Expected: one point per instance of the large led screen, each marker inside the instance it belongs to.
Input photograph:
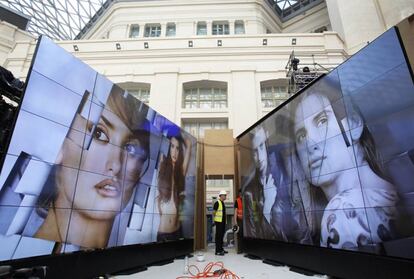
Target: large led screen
(334, 166)
(89, 166)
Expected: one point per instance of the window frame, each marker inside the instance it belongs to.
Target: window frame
(275, 96)
(215, 28)
(203, 23)
(170, 24)
(216, 97)
(131, 28)
(239, 23)
(153, 27)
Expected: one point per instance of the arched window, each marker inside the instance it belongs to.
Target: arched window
(273, 92)
(205, 94)
(139, 90)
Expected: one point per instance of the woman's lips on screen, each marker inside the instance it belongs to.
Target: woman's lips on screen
(108, 188)
(316, 163)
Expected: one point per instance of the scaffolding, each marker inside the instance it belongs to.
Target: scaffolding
(302, 73)
(11, 90)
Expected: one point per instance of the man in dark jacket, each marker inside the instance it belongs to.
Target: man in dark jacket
(260, 191)
(271, 212)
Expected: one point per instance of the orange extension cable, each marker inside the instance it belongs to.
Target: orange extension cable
(220, 272)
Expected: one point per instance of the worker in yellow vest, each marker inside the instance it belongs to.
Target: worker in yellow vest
(219, 216)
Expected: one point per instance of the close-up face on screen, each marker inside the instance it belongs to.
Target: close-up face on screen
(90, 166)
(340, 159)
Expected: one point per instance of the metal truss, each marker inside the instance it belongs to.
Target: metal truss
(58, 19)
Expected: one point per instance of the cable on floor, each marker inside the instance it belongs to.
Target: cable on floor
(219, 272)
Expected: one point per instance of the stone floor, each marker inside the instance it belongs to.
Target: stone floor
(243, 267)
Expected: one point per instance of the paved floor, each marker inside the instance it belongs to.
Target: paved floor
(245, 268)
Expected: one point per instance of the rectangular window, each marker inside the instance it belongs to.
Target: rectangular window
(239, 27)
(134, 31)
(153, 30)
(201, 28)
(221, 28)
(170, 30)
(205, 98)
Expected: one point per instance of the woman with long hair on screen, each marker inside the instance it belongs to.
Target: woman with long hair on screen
(171, 183)
(338, 155)
(95, 174)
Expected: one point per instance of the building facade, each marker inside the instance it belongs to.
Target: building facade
(209, 64)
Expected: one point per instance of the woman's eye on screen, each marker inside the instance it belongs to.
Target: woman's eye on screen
(322, 120)
(135, 150)
(300, 136)
(100, 135)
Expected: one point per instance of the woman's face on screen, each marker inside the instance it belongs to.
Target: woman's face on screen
(320, 142)
(109, 169)
(174, 149)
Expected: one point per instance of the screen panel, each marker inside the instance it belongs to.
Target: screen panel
(83, 166)
(334, 164)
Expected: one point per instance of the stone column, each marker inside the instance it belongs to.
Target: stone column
(243, 95)
(357, 22)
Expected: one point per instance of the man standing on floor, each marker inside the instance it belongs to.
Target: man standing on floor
(238, 220)
(219, 215)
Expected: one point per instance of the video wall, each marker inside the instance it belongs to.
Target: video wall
(90, 166)
(334, 166)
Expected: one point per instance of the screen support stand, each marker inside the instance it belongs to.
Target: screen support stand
(182, 257)
(163, 262)
(252, 257)
(130, 271)
(303, 271)
(272, 262)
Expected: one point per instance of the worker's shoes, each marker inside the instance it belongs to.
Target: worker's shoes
(225, 252)
(221, 253)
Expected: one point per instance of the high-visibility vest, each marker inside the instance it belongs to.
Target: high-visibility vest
(239, 208)
(219, 212)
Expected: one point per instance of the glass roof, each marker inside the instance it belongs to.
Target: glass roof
(70, 19)
(58, 19)
(286, 9)
(285, 4)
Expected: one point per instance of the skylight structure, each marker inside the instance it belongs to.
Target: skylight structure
(286, 9)
(58, 19)
(71, 19)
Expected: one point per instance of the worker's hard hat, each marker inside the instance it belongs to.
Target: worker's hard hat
(222, 192)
